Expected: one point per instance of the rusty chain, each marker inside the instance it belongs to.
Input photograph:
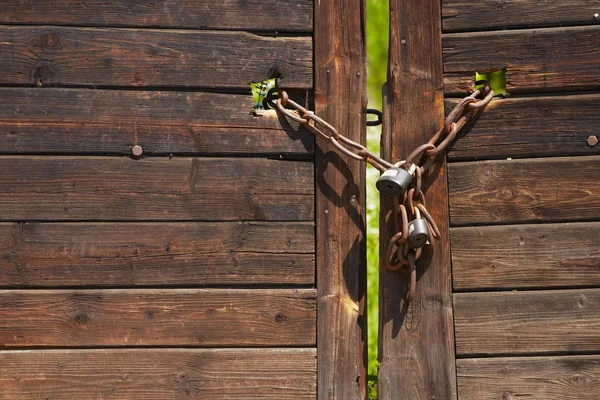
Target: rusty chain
(410, 203)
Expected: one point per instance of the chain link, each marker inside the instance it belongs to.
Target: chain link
(411, 204)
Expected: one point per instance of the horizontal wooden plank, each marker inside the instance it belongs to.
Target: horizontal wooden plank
(50, 56)
(281, 15)
(463, 15)
(543, 378)
(166, 374)
(545, 321)
(530, 127)
(525, 256)
(132, 254)
(56, 121)
(111, 188)
(511, 191)
(537, 60)
(150, 317)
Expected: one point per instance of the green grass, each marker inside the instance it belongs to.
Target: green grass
(377, 54)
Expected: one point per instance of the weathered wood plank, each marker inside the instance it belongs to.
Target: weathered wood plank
(537, 60)
(416, 339)
(167, 374)
(341, 99)
(102, 188)
(530, 127)
(261, 15)
(545, 321)
(526, 256)
(464, 15)
(50, 56)
(110, 254)
(149, 317)
(112, 121)
(511, 191)
(543, 378)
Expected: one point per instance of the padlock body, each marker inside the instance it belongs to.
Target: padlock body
(418, 234)
(394, 181)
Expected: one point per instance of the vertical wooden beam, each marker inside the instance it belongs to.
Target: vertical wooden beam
(340, 98)
(417, 359)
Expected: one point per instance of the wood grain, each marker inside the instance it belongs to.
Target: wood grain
(111, 188)
(341, 99)
(416, 339)
(537, 60)
(463, 15)
(132, 254)
(269, 15)
(512, 191)
(61, 56)
(529, 127)
(149, 317)
(536, 322)
(62, 121)
(526, 256)
(542, 378)
(167, 374)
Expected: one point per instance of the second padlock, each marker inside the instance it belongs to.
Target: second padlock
(418, 233)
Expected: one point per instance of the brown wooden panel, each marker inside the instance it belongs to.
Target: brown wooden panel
(340, 99)
(168, 374)
(510, 191)
(464, 15)
(208, 189)
(537, 60)
(545, 321)
(530, 127)
(112, 121)
(542, 378)
(142, 57)
(521, 256)
(282, 15)
(416, 338)
(110, 254)
(150, 317)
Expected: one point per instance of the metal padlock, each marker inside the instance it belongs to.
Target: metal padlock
(418, 233)
(395, 181)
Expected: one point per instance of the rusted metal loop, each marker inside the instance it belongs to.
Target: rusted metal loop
(374, 163)
(456, 112)
(412, 290)
(377, 113)
(288, 113)
(395, 248)
(434, 228)
(284, 97)
(321, 121)
(412, 200)
(447, 140)
(401, 219)
(483, 102)
(418, 180)
(344, 150)
(416, 154)
(370, 158)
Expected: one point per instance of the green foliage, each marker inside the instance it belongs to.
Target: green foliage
(377, 54)
(497, 80)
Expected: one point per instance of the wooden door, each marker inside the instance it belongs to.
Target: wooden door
(507, 302)
(199, 270)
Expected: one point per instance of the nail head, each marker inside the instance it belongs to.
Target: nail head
(137, 151)
(592, 141)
